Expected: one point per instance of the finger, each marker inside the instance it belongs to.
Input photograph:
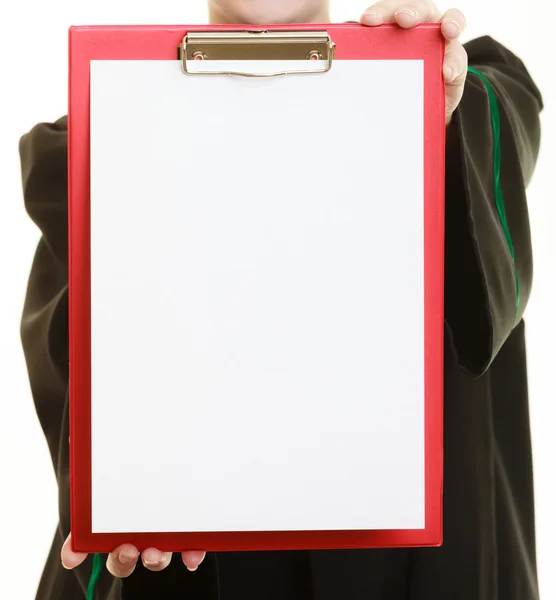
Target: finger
(453, 23)
(407, 13)
(155, 560)
(71, 559)
(455, 64)
(193, 558)
(122, 562)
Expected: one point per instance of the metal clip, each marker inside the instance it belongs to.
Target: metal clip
(313, 46)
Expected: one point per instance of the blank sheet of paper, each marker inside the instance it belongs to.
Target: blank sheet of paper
(257, 299)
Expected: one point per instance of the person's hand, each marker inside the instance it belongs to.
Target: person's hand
(122, 562)
(408, 13)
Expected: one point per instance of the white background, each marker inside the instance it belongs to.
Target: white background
(33, 49)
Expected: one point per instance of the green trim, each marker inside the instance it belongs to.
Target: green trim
(95, 574)
(498, 195)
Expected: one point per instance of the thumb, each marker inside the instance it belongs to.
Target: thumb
(71, 559)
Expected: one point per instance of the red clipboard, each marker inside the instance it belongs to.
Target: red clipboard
(153, 43)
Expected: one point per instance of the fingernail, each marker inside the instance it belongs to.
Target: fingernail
(452, 22)
(192, 569)
(453, 27)
(407, 11)
(151, 563)
(373, 16)
(127, 557)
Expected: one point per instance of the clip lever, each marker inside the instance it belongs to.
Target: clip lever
(314, 46)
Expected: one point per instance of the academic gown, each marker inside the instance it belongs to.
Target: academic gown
(489, 535)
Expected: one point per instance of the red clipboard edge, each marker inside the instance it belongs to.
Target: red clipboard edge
(87, 43)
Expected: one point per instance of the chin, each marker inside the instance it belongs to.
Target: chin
(262, 12)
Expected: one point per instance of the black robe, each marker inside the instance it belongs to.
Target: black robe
(489, 536)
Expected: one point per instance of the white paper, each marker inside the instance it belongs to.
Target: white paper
(257, 299)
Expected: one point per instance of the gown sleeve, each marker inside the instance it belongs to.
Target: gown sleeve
(489, 266)
(44, 334)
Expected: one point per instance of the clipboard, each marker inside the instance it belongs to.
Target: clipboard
(255, 296)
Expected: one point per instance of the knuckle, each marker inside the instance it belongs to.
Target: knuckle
(111, 567)
(457, 15)
(159, 564)
(418, 5)
(460, 77)
(461, 15)
(117, 569)
(154, 567)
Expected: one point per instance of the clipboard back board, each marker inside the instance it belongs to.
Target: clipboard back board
(152, 43)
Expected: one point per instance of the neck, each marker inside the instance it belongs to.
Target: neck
(217, 16)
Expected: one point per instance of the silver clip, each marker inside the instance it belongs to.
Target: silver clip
(310, 46)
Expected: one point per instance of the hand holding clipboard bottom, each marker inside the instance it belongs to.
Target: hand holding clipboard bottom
(123, 559)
